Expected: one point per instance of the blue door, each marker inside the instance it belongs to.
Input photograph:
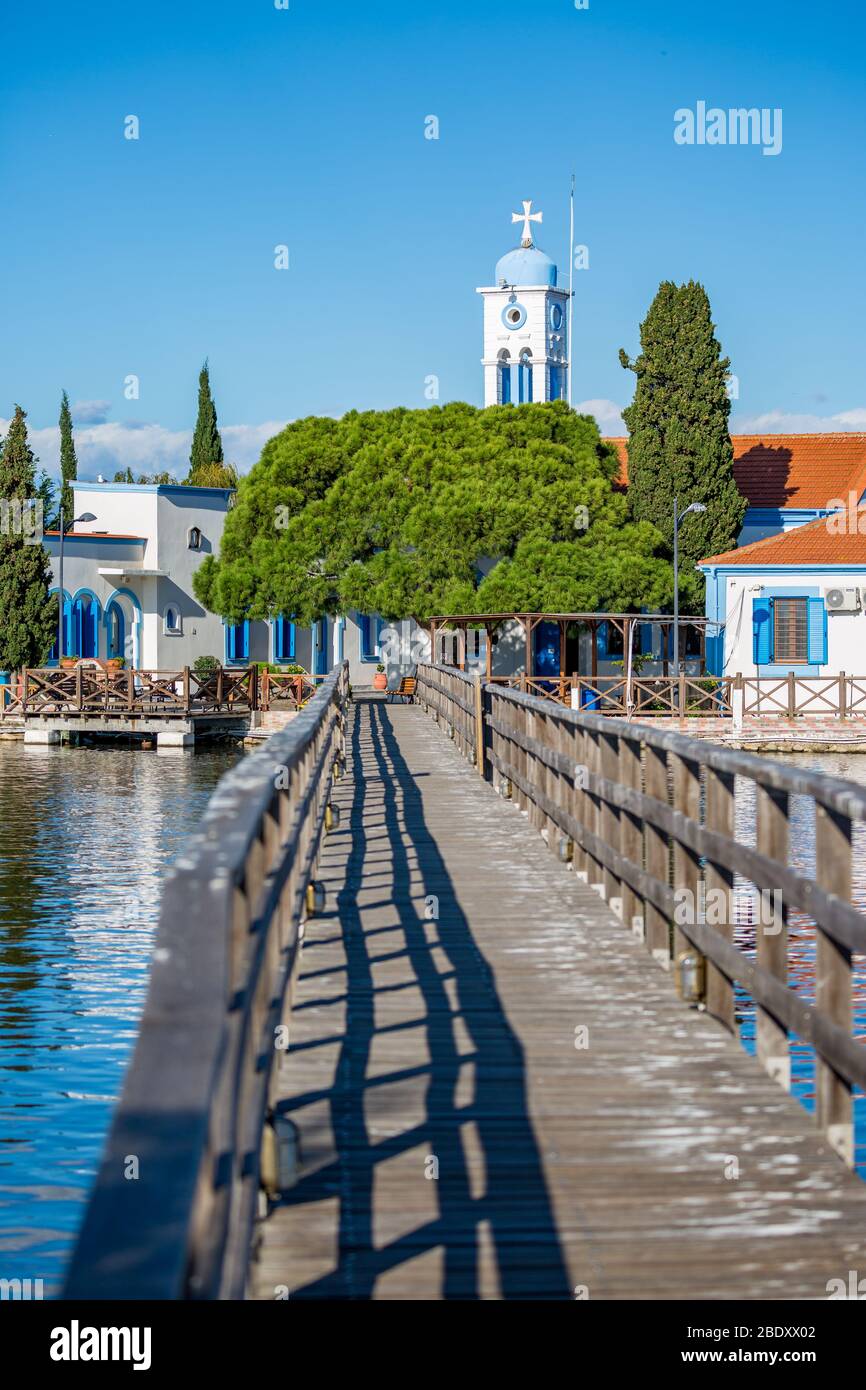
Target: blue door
(320, 633)
(546, 650)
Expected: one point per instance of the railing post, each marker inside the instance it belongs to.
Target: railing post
(771, 938)
(219, 688)
(630, 834)
(657, 853)
(792, 695)
(78, 695)
(266, 688)
(719, 880)
(681, 694)
(686, 863)
(130, 688)
(608, 764)
(843, 691)
(480, 759)
(833, 1107)
(186, 690)
(254, 687)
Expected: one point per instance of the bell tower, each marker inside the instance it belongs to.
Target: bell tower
(525, 325)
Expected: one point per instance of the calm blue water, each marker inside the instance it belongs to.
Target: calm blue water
(801, 932)
(85, 834)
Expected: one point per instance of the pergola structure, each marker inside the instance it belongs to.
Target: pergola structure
(622, 622)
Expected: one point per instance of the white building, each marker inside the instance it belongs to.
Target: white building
(127, 590)
(525, 326)
(794, 602)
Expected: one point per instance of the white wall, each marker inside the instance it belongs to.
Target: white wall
(846, 632)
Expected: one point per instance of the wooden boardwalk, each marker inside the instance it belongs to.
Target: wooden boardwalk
(433, 1032)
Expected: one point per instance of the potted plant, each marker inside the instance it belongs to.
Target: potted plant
(68, 661)
(115, 663)
(380, 680)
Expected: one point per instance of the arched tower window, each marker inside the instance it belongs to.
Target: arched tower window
(194, 538)
(524, 377)
(171, 621)
(503, 377)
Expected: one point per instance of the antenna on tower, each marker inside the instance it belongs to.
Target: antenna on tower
(570, 288)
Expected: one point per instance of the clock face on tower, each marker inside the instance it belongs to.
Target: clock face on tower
(556, 317)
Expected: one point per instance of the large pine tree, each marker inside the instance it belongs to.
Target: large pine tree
(28, 618)
(207, 446)
(68, 461)
(679, 445)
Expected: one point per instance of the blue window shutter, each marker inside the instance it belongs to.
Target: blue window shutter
(646, 639)
(762, 629)
(817, 632)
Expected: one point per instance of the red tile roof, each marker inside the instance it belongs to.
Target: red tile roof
(789, 470)
(828, 541)
(97, 536)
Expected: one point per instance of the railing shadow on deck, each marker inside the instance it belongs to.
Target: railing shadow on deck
(516, 1204)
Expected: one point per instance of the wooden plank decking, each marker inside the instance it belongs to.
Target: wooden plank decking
(420, 1044)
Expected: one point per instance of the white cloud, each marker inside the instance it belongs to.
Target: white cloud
(90, 412)
(789, 422)
(145, 448)
(608, 415)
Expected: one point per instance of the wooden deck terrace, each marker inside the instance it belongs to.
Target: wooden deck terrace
(428, 1025)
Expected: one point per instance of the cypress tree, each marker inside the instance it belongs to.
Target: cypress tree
(68, 461)
(679, 445)
(207, 446)
(28, 618)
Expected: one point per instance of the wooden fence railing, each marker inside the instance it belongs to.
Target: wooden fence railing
(683, 696)
(172, 1211)
(96, 690)
(647, 817)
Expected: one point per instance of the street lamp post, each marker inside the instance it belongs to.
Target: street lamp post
(678, 516)
(85, 516)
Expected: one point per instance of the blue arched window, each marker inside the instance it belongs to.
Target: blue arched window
(503, 378)
(284, 639)
(524, 377)
(116, 630)
(54, 654)
(84, 638)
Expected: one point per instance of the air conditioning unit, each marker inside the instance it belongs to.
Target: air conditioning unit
(842, 600)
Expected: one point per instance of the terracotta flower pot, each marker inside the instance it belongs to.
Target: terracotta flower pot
(380, 681)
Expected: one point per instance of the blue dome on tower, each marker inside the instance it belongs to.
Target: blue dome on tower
(526, 266)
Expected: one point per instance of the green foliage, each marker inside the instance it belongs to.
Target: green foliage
(125, 475)
(213, 475)
(679, 443)
(68, 461)
(28, 618)
(413, 513)
(203, 665)
(207, 446)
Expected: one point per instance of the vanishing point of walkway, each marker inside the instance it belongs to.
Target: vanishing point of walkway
(498, 1094)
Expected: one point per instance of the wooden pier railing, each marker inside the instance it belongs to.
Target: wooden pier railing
(96, 690)
(172, 1211)
(682, 696)
(646, 815)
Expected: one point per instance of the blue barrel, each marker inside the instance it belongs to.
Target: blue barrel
(5, 698)
(589, 699)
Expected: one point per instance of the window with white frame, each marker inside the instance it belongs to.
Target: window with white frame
(172, 624)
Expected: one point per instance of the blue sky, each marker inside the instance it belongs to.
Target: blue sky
(262, 126)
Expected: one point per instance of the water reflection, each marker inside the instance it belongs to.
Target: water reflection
(801, 932)
(84, 837)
